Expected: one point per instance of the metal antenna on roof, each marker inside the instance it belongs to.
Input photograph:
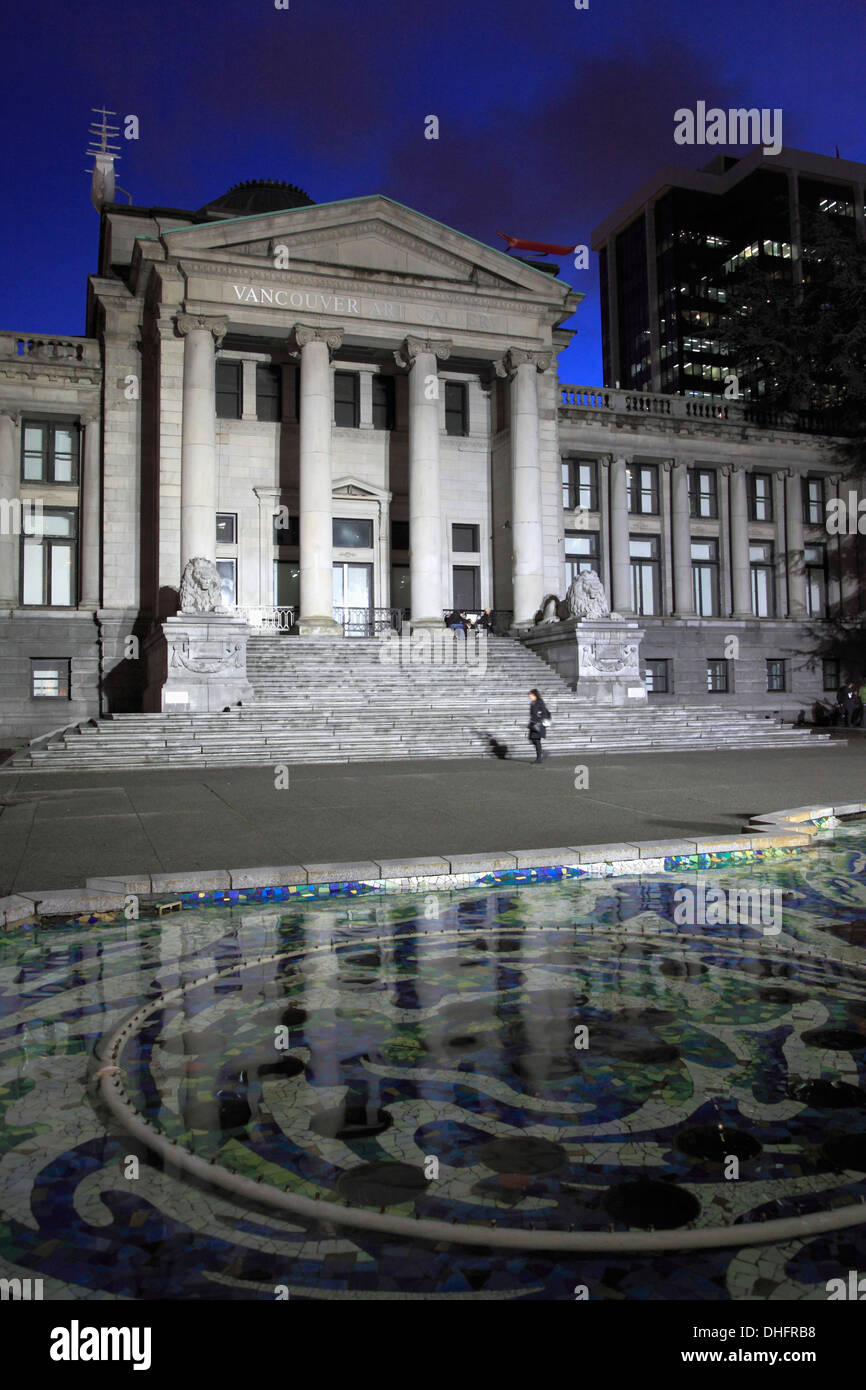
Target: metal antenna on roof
(104, 151)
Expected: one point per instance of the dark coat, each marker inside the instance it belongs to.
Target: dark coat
(538, 711)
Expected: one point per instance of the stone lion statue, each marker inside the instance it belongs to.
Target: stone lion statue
(200, 589)
(586, 597)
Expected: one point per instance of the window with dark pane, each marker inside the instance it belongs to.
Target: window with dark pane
(399, 535)
(269, 392)
(383, 402)
(465, 538)
(347, 399)
(717, 676)
(226, 528)
(775, 674)
(831, 673)
(290, 534)
(229, 387)
(352, 533)
(656, 675)
(456, 421)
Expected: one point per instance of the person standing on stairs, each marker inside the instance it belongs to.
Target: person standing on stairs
(539, 722)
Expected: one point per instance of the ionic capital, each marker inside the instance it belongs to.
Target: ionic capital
(412, 347)
(303, 333)
(521, 357)
(186, 323)
(10, 414)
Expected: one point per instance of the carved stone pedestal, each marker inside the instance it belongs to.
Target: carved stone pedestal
(608, 662)
(598, 657)
(198, 662)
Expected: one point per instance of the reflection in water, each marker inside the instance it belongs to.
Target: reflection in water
(547, 1057)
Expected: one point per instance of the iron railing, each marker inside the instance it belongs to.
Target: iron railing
(369, 622)
(266, 619)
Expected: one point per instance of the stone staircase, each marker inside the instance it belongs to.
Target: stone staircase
(321, 700)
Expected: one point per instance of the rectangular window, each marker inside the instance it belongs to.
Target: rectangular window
(643, 489)
(227, 570)
(49, 678)
(269, 392)
(703, 501)
(352, 533)
(399, 535)
(287, 583)
(831, 673)
(760, 497)
(456, 421)
(763, 588)
(645, 575)
(813, 501)
(775, 674)
(229, 390)
(467, 588)
(227, 528)
(717, 676)
(656, 675)
(290, 533)
(580, 485)
(401, 589)
(815, 557)
(465, 538)
(581, 554)
(705, 577)
(49, 452)
(49, 562)
(347, 399)
(383, 402)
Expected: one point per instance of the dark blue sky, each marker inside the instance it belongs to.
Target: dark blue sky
(549, 116)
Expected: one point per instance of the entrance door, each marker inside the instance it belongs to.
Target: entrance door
(353, 598)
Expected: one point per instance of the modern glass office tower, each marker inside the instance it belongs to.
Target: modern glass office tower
(669, 256)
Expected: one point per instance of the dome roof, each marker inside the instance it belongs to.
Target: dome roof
(257, 196)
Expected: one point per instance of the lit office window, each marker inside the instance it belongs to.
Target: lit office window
(705, 577)
(645, 575)
(761, 566)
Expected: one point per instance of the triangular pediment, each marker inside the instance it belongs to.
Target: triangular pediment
(364, 235)
(360, 491)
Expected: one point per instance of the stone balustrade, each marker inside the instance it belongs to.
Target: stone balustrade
(618, 401)
(31, 347)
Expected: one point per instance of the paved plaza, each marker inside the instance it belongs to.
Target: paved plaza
(56, 831)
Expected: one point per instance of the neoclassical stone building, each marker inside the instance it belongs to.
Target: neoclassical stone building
(354, 412)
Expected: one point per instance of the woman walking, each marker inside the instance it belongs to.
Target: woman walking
(539, 719)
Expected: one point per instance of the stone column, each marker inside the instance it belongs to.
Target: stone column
(419, 356)
(198, 485)
(684, 597)
(795, 552)
(620, 560)
(91, 515)
(527, 534)
(741, 583)
(269, 501)
(10, 540)
(315, 346)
